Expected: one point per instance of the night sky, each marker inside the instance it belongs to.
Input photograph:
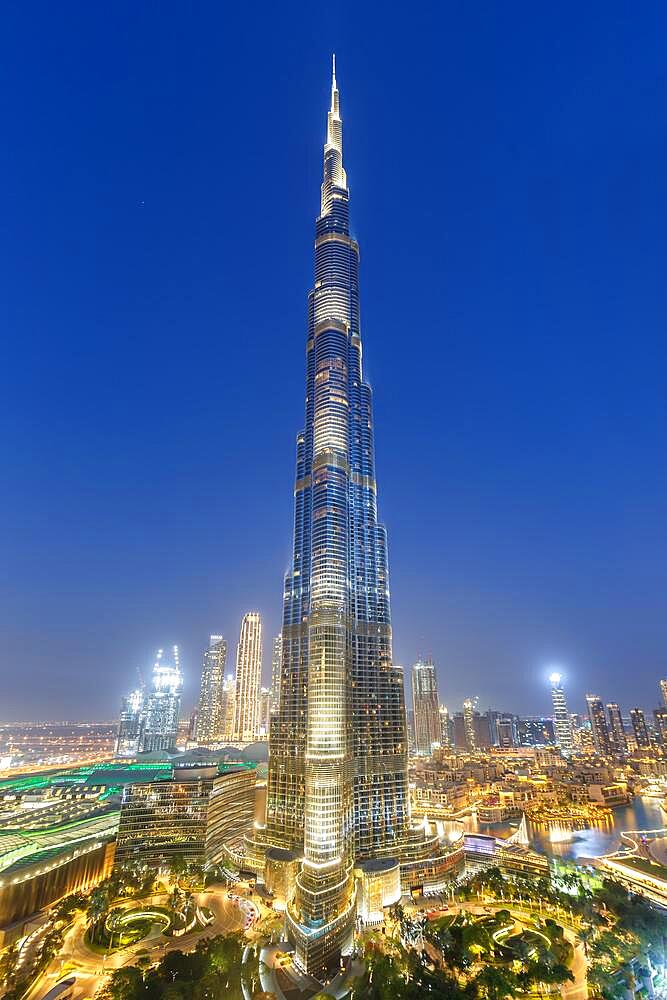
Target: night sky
(159, 176)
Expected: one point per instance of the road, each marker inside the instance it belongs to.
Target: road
(89, 968)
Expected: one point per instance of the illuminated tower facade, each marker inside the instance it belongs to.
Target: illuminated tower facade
(640, 728)
(469, 706)
(248, 679)
(131, 723)
(426, 707)
(163, 705)
(562, 720)
(210, 717)
(276, 670)
(599, 729)
(338, 785)
(616, 729)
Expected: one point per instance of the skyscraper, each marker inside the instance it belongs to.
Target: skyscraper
(660, 716)
(469, 723)
(248, 679)
(599, 729)
(338, 782)
(638, 720)
(276, 668)
(228, 705)
(617, 736)
(210, 718)
(163, 705)
(562, 721)
(445, 727)
(264, 715)
(131, 723)
(426, 706)
(663, 690)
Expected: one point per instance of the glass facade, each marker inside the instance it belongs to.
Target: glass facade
(599, 729)
(160, 820)
(211, 713)
(163, 706)
(338, 785)
(616, 729)
(426, 707)
(230, 812)
(562, 721)
(248, 679)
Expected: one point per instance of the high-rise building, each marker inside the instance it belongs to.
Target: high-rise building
(506, 731)
(640, 729)
(131, 723)
(426, 707)
(338, 778)
(663, 690)
(163, 705)
(410, 719)
(264, 716)
(445, 727)
(599, 729)
(276, 669)
(210, 720)
(562, 721)
(617, 736)
(228, 705)
(469, 723)
(248, 679)
(660, 716)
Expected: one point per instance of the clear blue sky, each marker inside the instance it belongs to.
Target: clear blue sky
(159, 171)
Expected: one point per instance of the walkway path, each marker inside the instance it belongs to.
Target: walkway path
(77, 959)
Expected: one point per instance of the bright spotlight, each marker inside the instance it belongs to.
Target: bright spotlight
(555, 678)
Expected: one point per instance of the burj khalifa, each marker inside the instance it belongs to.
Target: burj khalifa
(338, 780)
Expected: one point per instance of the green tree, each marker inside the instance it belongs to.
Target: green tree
(495, 983)
(123, 984)
(8, 963)
(98, 907)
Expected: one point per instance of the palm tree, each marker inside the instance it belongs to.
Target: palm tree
(8, 964)
(98, 907)
(585, 937)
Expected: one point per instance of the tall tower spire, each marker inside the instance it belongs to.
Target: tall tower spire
(338, 778)
(334, 174)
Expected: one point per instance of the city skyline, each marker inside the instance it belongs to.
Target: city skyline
(526, 550)
(373, 306)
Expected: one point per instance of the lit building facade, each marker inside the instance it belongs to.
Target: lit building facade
(426, 707)
(264, 713)
(131, 723)
(445, 727)
(248, 679)
(338, 781)
(163, 705)
(230, 812)
(210, 716)
(663, 690)
(599, 729)
(617, 735)
(562, 720)
(640, 728)
(160, 820)
(276, 670)
(469, 723)
(660, 716)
